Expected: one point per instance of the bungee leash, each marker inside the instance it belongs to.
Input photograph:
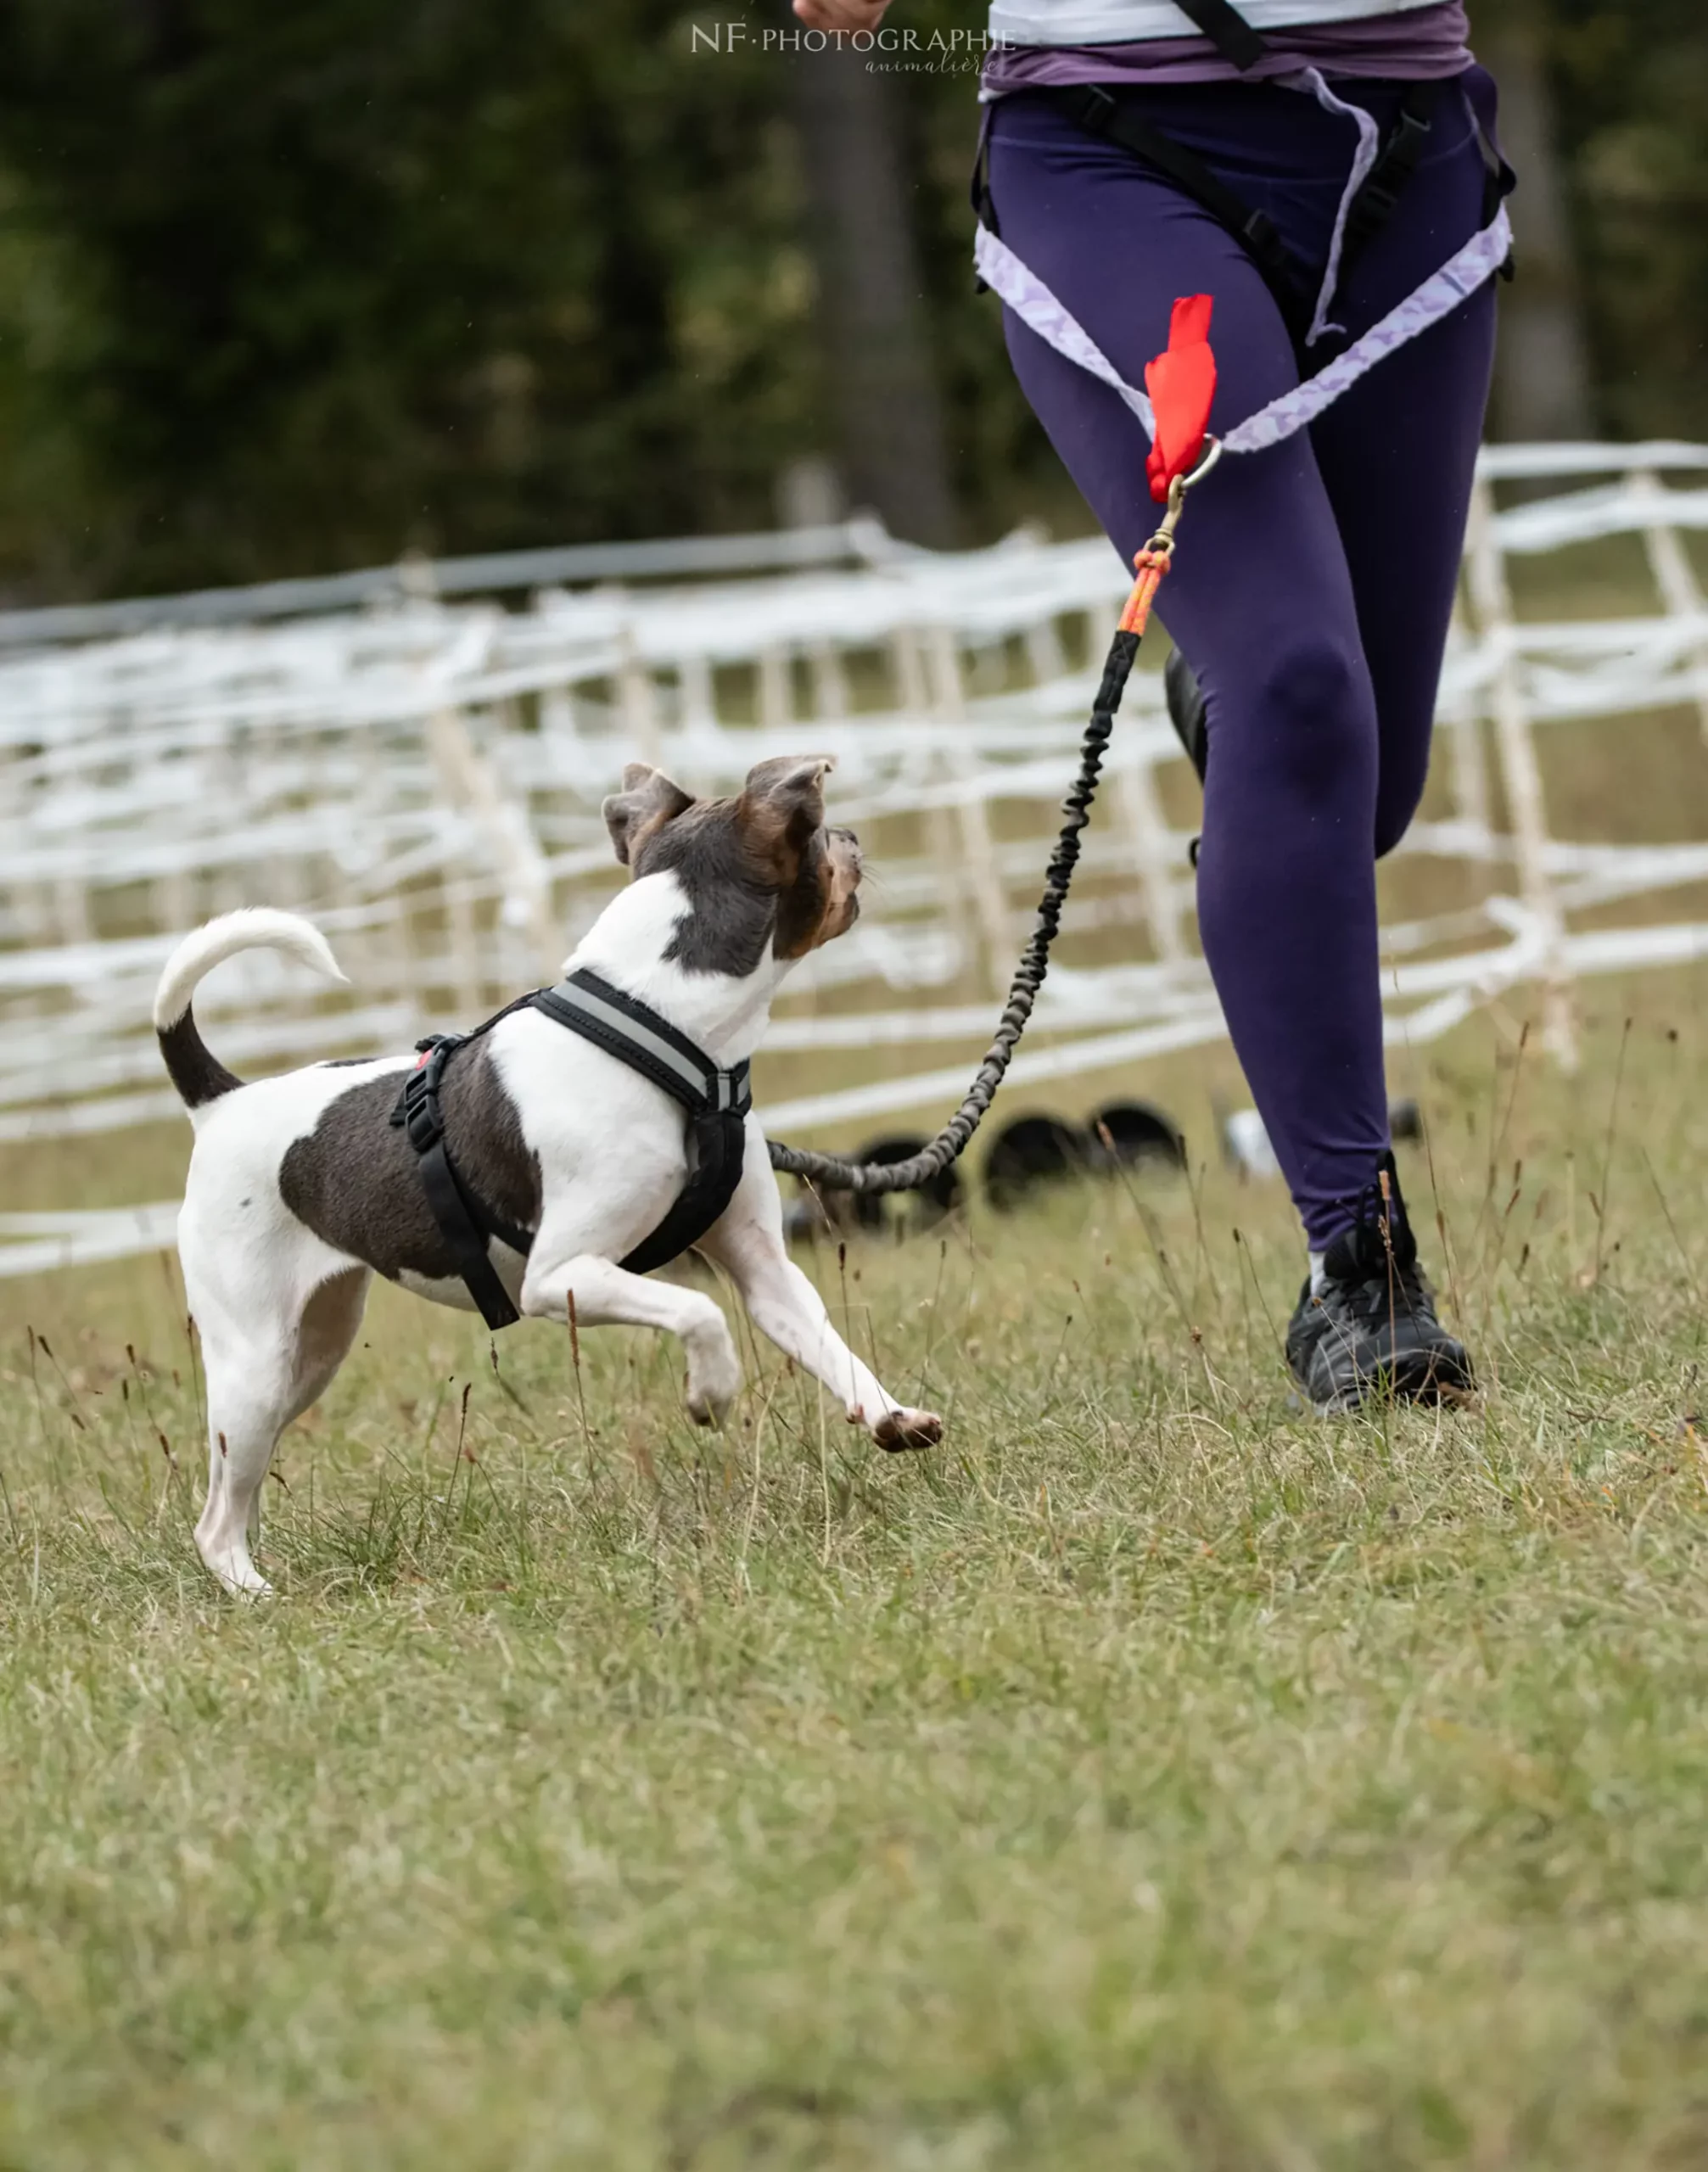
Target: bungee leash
(1169, 466)
(1174, 410)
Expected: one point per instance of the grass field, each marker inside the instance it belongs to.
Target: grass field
(1153, 1777)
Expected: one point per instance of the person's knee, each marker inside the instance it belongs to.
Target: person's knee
(1311, 720)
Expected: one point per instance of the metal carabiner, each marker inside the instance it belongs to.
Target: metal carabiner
(1164, 540)
(1181, 484)
(1212, 454)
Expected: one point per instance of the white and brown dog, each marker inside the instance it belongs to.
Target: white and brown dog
(300, 1189)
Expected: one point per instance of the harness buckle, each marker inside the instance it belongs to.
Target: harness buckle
(1097, 109)
(1261, 230)
(1407, 140)
(416, 1112)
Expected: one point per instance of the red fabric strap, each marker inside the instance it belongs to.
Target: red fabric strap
(1182, 384)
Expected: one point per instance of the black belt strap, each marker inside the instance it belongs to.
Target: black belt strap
(1396, 163)
(1227, 30)
(1100, 113)
(717, 1102)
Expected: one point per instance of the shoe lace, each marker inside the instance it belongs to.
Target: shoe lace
(1393, 1290)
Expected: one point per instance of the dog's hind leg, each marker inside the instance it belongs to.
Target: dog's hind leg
(250, 1391)
(260, 1375)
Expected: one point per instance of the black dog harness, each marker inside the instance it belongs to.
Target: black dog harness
(716, 1101)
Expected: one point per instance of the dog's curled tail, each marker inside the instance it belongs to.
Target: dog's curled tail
(198, 1074)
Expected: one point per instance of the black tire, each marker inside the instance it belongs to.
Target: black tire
(1405, 1122)
(906, 1212)
(1032, 1150)
(1139, 1133)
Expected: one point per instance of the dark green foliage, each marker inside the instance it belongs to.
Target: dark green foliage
(353, 277)
(288, 288)
(1632, 86)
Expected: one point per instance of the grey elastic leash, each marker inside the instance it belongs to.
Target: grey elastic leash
(831, 1170)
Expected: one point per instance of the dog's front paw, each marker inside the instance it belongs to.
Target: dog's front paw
(715, 1376)
(908, 1429)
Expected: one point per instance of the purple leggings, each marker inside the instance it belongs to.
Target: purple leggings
(1314, 583)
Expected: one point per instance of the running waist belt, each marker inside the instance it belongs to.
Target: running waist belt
(1381, 166)
(1109, 114)
(1487, 253)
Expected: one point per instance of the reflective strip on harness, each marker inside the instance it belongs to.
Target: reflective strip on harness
(695, 1074)
(1458, 279)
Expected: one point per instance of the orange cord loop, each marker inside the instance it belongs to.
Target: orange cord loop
(1153, 562)
(1152, 565)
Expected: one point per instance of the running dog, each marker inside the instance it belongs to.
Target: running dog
(303, 1187)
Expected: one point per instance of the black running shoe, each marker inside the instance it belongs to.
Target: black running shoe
(1187, 710)
(1371, 1329)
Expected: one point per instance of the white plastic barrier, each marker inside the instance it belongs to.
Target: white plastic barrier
(423, 778)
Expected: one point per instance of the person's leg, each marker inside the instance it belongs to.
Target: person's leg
(1261, 600)
(1397, 456)
(1398, 453)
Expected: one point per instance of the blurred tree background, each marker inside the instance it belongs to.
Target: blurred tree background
(284, 290)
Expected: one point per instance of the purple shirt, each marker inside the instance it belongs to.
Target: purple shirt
(1422, 45)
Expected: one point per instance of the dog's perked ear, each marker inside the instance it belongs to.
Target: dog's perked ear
(782, 808)
(647, 801)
